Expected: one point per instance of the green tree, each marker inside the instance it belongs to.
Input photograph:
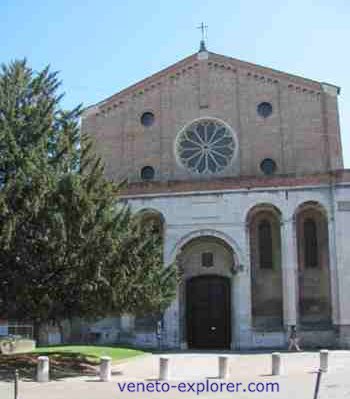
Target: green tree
(68, 246)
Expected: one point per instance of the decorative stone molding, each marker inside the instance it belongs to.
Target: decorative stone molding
(330, 89)
(230, 134)
(237, 253)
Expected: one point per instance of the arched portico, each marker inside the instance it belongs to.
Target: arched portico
(206, 292)
(264, 231)
(314, 302)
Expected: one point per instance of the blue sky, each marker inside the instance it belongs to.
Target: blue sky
(102, 46)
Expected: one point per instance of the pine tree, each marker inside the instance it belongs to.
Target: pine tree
(68, 246)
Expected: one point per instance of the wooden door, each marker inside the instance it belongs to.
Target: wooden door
(208, 312)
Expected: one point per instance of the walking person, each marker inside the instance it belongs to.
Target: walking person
(293, 339)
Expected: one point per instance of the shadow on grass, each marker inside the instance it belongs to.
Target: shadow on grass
(62, 365)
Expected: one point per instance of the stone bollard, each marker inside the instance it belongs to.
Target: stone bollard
(276, 364)
(43, 369)
(223, 367)
(16, 384)
(105, 368)
(324, 360)
(164, 368)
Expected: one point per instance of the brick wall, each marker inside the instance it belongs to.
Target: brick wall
(301, 135)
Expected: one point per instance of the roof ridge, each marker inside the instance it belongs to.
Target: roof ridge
(141, 82)
(269, 69)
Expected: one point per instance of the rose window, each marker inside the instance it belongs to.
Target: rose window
(206, 146)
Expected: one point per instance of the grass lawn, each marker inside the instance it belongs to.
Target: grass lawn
(65, 360)
(88, 353)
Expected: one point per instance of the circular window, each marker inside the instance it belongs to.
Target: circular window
(147, 119)
(264, 109)
(147, 173)
(268, 166)
(206, 146)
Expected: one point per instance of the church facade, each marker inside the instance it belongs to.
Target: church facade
(241, 168)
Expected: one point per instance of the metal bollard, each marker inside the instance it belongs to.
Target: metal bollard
(43, 369)
(106, 368)
(318, 383)
(223, 367)
(324, 360)
(276, 363)
(164, 368)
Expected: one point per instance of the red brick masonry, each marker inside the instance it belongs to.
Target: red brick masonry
(236, 183)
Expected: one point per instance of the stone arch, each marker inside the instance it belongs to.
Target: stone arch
(192, 258)
(151, 215)
(150, 211)
(228, 240)
(189, 253)
(263, 206)
(311, 225)
(316, 205)
(263, 223)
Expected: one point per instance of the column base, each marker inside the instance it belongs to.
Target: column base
(183, 346)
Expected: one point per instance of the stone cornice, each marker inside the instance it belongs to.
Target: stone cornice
(338, 177)
(263, 70)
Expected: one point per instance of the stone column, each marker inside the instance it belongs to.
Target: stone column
(171, 329)
(172, 316)
(333, 272)
(289, 272)
(241, 299)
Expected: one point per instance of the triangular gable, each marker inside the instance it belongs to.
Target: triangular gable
(257, 71)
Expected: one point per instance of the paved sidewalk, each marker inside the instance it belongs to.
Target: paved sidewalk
(297, 381)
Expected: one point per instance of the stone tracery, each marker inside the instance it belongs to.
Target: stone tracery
(206, 146)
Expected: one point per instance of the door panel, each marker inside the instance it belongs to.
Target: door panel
(208, 312)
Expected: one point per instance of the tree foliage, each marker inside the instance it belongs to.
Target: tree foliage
(68, 246)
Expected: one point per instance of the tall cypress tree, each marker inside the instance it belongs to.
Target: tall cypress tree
(68, 246)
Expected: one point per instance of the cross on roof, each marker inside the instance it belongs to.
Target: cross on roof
(203, 28)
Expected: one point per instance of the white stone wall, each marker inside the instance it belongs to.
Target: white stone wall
(341, 226)
(223, 215)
